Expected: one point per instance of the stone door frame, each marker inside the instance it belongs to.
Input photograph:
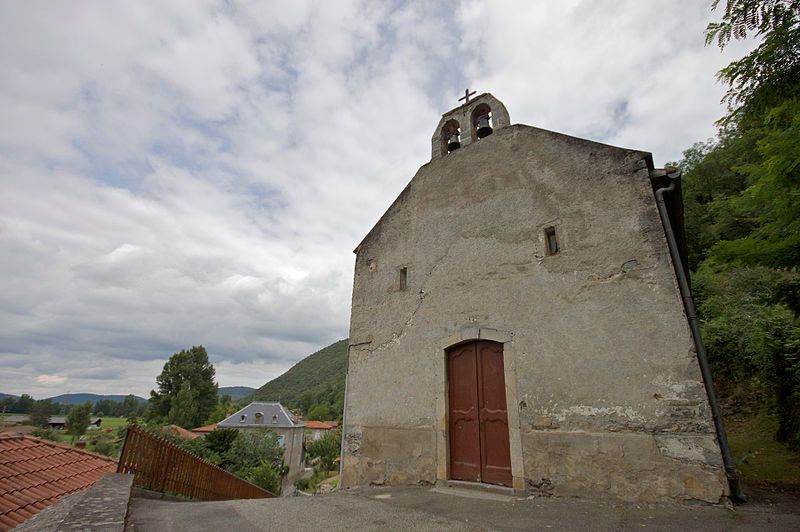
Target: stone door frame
(468, 334)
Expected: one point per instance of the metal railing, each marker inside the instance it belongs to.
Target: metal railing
(162, 466)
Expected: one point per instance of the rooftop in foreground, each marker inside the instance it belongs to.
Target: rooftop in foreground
(36, 473)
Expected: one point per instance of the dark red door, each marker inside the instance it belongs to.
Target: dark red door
(479, 448)
(465, 450)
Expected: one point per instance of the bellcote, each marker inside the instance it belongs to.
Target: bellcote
(468, 123)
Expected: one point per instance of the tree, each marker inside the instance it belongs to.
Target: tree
(191, 371)
(771, 72)
(78, 419)
(266, 476)
(326, 449)
(742, 211)
(129, 406)
(24, 404)
(40, 413)
(183, 408)
(224, 408)
(251, 449)
(320, 412)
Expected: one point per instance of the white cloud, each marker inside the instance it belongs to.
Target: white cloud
(199, 172)
(50, 380)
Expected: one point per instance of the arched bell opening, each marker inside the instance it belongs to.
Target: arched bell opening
(481, 120)
(451, 136)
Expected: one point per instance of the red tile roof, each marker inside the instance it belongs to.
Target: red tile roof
(206, 428)
(183, 433)
(35, 473)
(319, 425)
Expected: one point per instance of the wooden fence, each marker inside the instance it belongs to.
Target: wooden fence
(160, 465)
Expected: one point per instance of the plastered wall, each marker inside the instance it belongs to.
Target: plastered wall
(604, 391)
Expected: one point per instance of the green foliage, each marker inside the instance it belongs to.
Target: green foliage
(771, 72)
(326, 449)
(105, 443)
(78, 419)
(40, 413)
(250, 449)
(320, 412)
(742, 216)
(183, 407)
(225, 407)
(46, 434)
(22, 405)
(220, 440)
(187, 392)
(318, 378)
(266, 476)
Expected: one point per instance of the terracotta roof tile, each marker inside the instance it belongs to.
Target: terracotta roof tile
(319, 425)
(36, 473)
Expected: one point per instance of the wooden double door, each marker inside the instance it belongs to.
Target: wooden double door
(478, 416)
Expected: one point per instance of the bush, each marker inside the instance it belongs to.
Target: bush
(266, 476)
(250, 449)
(326, 449)
(45, 434)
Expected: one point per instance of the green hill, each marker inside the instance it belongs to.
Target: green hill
(313, 385)
(236, 392)
(80, 398)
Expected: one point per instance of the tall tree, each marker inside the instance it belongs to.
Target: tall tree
(190, 371)
(40, 413)
(183, 408)
(24, 404)
(129, 406)
(78, 419)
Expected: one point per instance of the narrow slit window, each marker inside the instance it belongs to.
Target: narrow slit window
(551, 241)
(403, 279)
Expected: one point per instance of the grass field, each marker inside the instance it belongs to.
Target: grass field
(113, 422)
(757, 455)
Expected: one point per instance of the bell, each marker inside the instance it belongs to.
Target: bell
(484, 128)
(454, 143)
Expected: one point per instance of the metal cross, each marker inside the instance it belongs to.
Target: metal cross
(467, 94)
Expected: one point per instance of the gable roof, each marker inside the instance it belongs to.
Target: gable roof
(532, 134)
(36, 473)
(274, 416)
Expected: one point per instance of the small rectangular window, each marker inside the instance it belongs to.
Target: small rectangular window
(551, 241)
(403, 279)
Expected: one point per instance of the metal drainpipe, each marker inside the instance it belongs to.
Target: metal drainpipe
(344, 418)
(691, 315)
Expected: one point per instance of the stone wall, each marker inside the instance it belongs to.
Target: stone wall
(604, 392)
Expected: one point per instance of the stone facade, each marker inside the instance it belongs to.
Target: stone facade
(604, 392)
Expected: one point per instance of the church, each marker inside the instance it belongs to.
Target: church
(517, 320)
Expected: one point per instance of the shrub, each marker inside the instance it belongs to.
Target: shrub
(266, 476)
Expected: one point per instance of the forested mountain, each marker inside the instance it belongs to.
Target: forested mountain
(313, 386)
(742, 213)
(80, 398)
(236, 392)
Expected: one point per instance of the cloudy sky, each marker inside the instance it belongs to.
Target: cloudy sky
(198, 172)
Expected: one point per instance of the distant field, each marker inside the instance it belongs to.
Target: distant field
(113, 422)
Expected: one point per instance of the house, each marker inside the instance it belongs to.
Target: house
(272, 416)
(317, 429)
(35, 474)
(518, 319)
(60, 422)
